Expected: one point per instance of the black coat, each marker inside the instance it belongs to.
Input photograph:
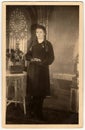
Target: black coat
(38, 81)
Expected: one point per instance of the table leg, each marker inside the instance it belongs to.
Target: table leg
(22, 88)
(15, 87)
(24, 105)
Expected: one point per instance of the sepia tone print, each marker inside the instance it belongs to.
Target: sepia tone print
(42, 59)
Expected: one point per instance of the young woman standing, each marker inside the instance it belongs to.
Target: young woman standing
(40, 55)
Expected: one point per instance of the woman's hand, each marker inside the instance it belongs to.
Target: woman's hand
(36, 59)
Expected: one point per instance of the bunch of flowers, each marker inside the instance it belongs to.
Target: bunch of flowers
(16, 57)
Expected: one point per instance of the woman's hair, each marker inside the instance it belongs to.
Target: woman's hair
(44, 29)
(41, 27)
(38, 26)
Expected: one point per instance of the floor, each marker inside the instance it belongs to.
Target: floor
(15, 115)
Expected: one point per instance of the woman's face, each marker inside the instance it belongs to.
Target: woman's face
(40, 33)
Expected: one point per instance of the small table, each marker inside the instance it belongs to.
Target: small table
(16, 82)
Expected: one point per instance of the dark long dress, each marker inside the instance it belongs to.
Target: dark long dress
(38, 72)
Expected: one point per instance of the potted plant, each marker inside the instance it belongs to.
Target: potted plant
(15, 59)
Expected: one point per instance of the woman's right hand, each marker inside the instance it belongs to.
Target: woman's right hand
(36, 59)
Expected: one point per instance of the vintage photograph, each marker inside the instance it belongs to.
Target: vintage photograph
(42, 64)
